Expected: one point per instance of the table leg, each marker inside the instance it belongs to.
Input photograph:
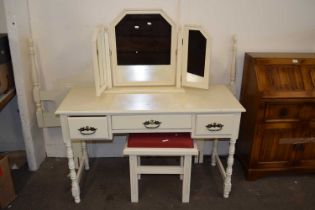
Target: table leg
(230, 161)
(186, 179)
(73, 176)
(85, 155)
(134, 191)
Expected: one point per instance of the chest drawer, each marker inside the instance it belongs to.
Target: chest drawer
(88, 128)
(216, 124)
(290, 111)
(151, 122)
(282, 111)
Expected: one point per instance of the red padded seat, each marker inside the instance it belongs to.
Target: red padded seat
(160, 140)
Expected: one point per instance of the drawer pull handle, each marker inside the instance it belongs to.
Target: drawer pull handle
(214, 126)
(295, 61)
(87, 130)
(152, 124)
(298, 147)
(283, 112)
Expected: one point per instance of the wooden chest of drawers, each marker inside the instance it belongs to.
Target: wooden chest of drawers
(277, 131)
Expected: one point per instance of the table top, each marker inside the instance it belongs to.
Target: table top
(83, 101)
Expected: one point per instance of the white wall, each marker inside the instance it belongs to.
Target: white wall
(269, 25)
(3, 25)
(63, 29)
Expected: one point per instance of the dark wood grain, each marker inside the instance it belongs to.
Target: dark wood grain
(278, 128)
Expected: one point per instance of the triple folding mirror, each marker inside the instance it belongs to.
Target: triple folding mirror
(145, 48)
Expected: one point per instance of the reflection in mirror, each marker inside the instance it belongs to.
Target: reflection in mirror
(143, 39)
(196, 53)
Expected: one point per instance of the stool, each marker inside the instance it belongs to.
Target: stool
(160, 144)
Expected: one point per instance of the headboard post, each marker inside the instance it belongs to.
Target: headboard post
(233, 64)
(36, 86)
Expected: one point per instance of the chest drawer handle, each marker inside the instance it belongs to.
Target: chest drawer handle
(87, 130)
(214, 126)
(152, 124)
(283, 112)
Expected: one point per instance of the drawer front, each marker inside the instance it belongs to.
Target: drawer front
(282, 111)
(207, 125)
(88, 128)
(151, 122)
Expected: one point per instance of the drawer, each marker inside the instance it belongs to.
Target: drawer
(216, 124)
(88, 128)
(151, 122)
(282, 111)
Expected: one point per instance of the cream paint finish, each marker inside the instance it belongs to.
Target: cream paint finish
(143, 75)
(128, 113)
(216, 99)
(62, 31)
(19, 30)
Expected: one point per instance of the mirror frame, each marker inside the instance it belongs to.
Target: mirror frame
(158, 75)
(196, 81)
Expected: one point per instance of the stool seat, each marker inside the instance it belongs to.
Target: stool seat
(160, 140)
(160, 144)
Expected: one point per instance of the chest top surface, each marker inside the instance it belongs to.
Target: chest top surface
(82, 101)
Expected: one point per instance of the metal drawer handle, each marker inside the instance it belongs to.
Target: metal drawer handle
(298, 147)
(152, 124)
(214, 126)
(283, 112)
(87, 130)
(295, 61)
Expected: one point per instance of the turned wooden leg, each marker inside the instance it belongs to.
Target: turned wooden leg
(134, 192)
(73, 176)
(77, 153)
(85, 155)
(230, 161)
(214, 152)
(186, 179)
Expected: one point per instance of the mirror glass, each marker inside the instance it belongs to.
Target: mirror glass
(143, 39)
(196, 53)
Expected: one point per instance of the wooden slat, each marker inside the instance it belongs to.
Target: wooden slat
(6, 98)
(220, 166)
(160, 170)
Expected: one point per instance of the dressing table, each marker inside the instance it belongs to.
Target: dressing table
(142, 95)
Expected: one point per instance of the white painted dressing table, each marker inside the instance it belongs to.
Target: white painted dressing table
(213, 113)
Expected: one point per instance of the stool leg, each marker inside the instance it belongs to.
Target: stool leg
(186, 178)
(182, 165)
(214, 152)
(139, 164)
(133, 179)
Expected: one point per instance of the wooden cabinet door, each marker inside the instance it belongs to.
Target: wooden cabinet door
(306, 156)
(308, 71)
(306, 152)
(270, 152)
(280, 78)
(286, 77)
